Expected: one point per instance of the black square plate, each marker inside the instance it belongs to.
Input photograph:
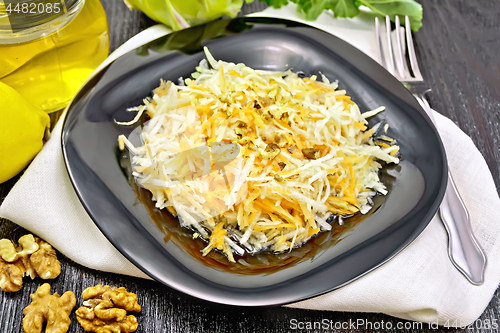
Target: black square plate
(154, 241)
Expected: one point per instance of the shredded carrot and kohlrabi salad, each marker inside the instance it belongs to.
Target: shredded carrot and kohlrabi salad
(254, 159)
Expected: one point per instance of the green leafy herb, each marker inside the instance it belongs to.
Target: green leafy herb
(311, 9)
(180, 14)
(397, 7)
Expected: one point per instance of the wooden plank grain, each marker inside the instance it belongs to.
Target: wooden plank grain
(123, 23)
(457, 44)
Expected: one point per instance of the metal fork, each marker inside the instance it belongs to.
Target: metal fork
(463, 249)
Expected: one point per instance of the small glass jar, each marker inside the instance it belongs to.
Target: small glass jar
(48, 48)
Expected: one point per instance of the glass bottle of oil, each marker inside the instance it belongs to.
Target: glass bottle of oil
(46, 56)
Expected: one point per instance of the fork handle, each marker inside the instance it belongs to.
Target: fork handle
(463, 249)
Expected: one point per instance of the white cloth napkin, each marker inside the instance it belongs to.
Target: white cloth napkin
(418, 284)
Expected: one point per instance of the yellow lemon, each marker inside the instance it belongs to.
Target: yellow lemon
(22, 129)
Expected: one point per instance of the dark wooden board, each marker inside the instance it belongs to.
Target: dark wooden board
(457, 48)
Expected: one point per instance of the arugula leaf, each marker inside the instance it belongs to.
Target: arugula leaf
(276, 3)
(344, 8)
(397, 7)
(312, 8)
(349, 8)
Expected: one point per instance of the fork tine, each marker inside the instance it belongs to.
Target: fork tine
(398, 55)
(402, 47)
(411, 51)
(380, 47)
(390, 60)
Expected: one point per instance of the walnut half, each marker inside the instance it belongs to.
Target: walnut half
(14, 262)
(33, 257)
(105, 310)
(53, 309)
(10, 253)
(44, 261)
(11, 276)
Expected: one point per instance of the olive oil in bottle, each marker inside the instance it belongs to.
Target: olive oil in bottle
(49, 48)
